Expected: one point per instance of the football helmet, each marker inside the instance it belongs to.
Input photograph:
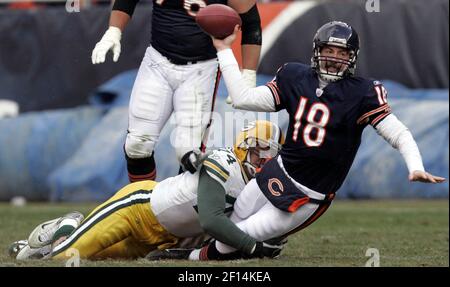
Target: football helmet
(263, 140)
(337, 34)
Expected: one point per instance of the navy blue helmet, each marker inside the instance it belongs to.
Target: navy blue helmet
(338, 34)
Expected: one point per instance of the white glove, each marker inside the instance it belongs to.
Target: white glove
(109, 41)
(249, 77)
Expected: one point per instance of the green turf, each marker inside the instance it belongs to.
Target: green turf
(406, 233)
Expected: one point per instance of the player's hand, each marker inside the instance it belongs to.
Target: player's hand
(424, 176)
(222, 44)
(109, 41)
(192, 160)
(201, 156)
(169, 254)
(270, 248)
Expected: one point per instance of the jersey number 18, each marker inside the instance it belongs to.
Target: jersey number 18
(313, 123)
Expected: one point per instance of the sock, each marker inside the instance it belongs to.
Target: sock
(64, 230)
(210, 252)
(66, 226)
(195, 255)
(141, 168)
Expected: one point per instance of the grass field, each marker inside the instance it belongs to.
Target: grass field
(406, 233)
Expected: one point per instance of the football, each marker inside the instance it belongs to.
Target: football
(218, 20)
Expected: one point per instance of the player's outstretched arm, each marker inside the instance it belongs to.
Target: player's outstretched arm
(399, 136)
(211, 211)
(424, 176)
(243, 96)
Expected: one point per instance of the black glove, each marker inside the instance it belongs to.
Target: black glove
(193, 159)
(270, 248)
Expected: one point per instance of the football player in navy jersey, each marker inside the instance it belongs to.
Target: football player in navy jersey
(328, 110)
(179, 73)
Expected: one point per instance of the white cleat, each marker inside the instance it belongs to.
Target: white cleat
(42, 235)
(21, 250)
(15, 247)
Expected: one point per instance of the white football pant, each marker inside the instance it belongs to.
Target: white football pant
(255, 215)
(161, 88)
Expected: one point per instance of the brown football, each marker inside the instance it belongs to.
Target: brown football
(218, 20)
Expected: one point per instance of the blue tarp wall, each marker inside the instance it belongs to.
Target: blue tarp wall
(77, 154)
(45, 54)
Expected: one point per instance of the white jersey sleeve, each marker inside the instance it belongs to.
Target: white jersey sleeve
(244, 97)
(174, 200)
(399, 136)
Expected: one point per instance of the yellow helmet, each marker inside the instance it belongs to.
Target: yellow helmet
(263, 137)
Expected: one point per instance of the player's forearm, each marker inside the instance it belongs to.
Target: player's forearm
(121, 13)
(250, 56)
(119, 19)
(241, 6)
(243, 96)
(211, 205)
(251, 38)
(398, 135)
(250, 59)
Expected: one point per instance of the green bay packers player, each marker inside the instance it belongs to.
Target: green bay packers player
(148, 215)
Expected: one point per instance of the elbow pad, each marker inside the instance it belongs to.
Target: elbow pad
(126, 6)
(251, 27)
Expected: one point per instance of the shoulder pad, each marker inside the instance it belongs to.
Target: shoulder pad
(219, 164)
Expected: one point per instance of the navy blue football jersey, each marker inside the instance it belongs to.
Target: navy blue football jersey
(325, 126)
(176, 35)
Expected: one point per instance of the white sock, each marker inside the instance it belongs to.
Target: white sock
(195, 255)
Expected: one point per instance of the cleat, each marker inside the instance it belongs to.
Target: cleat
(33, 253)
(42, 235)
(21, 250)
(169, 254)
(15, 248)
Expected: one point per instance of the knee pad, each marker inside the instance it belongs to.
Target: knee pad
(138, 146)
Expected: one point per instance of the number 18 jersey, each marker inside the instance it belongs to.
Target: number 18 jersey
(325, 126)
